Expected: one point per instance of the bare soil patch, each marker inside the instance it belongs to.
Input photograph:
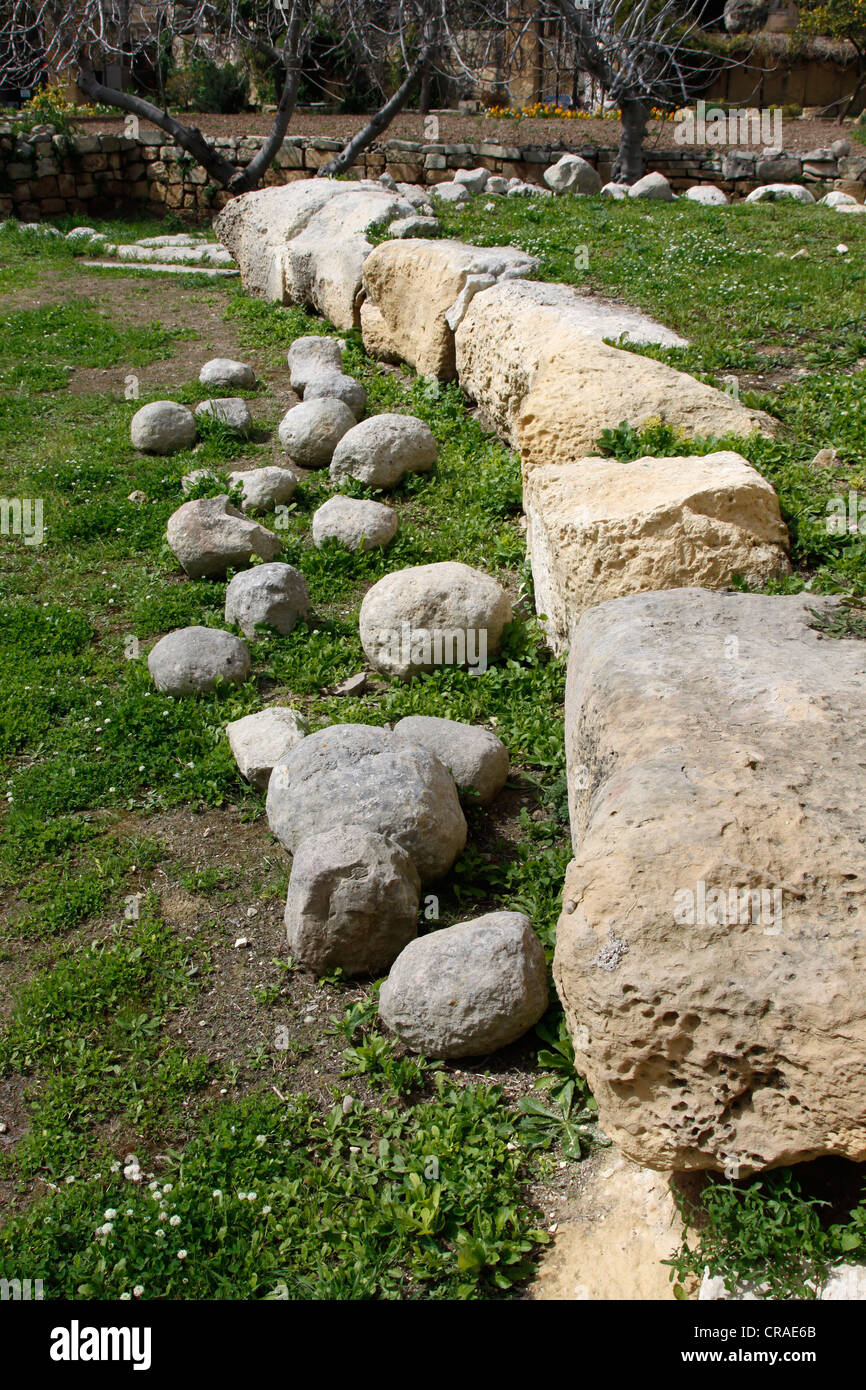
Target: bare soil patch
(799, 134)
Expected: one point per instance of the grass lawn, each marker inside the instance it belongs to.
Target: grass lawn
(133, 858)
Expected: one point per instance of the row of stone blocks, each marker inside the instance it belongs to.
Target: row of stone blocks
(713, 934)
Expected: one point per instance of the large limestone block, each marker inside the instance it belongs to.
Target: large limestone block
(712, 947)
(412, 287)
(531, 356)
(600, 529)
(305, 242)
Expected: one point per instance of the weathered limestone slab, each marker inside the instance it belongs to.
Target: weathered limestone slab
(416, 291)
(712, 947)
(305, 242)
(531, 356)
(600, 529)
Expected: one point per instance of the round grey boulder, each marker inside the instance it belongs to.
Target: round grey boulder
(312, 356)
(223, 371)
(337, 386)
(230, 411)
(379, 451)
(191, 660)
(209, 536)
(275, 595)
(355, 522)
(446, 614)
(475, 757)
(311, 431)
(162, 427)
(352, 902)
(264, 488)
(467, 990)
(356, 774)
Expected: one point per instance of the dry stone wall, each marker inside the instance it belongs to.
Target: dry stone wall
(47, 174)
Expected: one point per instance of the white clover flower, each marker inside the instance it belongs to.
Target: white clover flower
(109, 1213)
(216, 1192)
(159, 1233)
(138, 1290)
(175, 1221)
(266, 1211)
(168, 1187)
(125, 1297)
(181, 1254)
(251, 1196)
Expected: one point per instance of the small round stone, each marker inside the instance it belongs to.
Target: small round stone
(379, 451)
(311, 356)
(162, 427)
(223, 371)
(274, 594)
(192, 660)
(352, 902)
(264, 488)
(230, 411)
(339, 387)
(311, 431)
(467, 990)
(357, 774)
(355, 522)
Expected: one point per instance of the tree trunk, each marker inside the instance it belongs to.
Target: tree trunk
(189, 138)
(252, 175)
(629, 164)
(382, 119)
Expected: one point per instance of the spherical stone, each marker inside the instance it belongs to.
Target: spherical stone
(446, 614)
(381, 449)
(475, 757)
(209, 537)
(191, 660)
(467, 990)
(311, 431)
(355, 522)
(337, 386)
(230, 411)
(356, 774)
(274, 594)
(223, 371)
(264, 488)
(352, 902)
(259, 740)
(162, 427)
(310, 356)
(707, 194)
